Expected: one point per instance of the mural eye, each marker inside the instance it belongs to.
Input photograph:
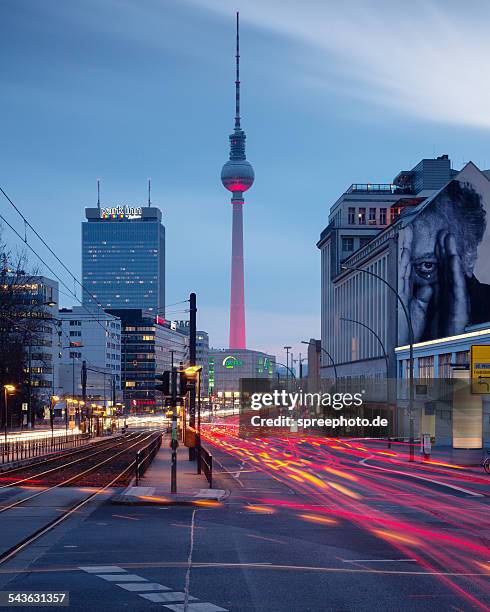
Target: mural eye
(426, 269)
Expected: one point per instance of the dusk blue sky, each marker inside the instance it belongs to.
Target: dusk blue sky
(331, 94)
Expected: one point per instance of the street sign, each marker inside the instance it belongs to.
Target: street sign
(480, 369)
(25, 406)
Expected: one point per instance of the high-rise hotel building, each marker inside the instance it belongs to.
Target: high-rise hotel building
(123, 258)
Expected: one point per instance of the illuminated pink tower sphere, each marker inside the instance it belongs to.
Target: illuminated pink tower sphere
(237, 176)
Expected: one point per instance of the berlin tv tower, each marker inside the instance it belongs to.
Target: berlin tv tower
(237, 176)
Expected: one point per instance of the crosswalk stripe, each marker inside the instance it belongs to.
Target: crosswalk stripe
(101, 569)
(122, 577)
(144, 586)
(165, 597)
(201, 606)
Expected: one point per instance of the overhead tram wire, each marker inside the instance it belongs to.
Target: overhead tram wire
(36, 233)
(74, 278)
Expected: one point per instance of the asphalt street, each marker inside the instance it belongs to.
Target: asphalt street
(339, 535)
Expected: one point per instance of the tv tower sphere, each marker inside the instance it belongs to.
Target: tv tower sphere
(237, 175)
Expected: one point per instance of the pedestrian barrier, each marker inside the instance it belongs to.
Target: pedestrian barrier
(16, 450)
(206, 462)
(145, 456)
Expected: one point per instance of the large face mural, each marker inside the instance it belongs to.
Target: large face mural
(444, 260)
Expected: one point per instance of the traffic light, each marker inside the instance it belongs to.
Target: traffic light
(165, 386)
(184, 386)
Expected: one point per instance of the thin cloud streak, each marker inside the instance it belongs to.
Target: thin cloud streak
(424, 59)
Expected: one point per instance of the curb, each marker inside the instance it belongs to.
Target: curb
(146, 497)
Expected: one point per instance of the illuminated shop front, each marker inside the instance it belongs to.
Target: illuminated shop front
(227, 367)
(461, 419)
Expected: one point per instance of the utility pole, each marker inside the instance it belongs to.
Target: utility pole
(174, 442)
(301, 359)
(192, 362)
(288, 348)
(30, 411)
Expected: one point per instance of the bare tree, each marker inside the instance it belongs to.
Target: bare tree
(23, 321)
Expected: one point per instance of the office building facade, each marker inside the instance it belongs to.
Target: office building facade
(93, 336)
(123, 258)
(149, 347)
(359, 313)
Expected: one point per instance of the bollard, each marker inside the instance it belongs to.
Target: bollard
(137, 467)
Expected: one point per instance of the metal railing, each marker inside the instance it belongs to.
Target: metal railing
(17, 450)
(145, 456)
(206, 462)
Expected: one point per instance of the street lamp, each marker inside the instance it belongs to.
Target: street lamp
(411, 343)
(7, 389)
(288, 369)
(374, 334)
(328, 355)
(347, 320)
(68, 401)
(54, 399)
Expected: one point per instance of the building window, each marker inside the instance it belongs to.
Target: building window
(372, 216)
(426, 367)
(364, 240)
(362, 216)
(75, 334)
(382, 216)
(351, 216)
(463, 358)
(445, 365)
(348, 244)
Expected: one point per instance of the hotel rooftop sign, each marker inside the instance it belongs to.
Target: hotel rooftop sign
(121, 212)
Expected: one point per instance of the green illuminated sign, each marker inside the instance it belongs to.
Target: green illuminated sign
(230, 362)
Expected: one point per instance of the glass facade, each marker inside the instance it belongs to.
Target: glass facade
(123, 260)
(147, 348)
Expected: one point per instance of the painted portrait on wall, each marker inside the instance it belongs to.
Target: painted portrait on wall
(444, 260)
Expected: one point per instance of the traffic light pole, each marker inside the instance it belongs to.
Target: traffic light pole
(192, 362)
(174, 442)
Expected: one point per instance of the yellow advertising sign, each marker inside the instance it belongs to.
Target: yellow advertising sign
(480, 369)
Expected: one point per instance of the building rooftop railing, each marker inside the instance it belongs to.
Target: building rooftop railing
(372, 188)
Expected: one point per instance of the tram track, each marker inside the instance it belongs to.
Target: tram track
(122, 472)
(86, 454)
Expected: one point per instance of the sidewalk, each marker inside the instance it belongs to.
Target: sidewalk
(154, 487)
(445, 456)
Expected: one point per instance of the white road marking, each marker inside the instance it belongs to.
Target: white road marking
(228, 472)
(137, 584)
(197, 607)
(125, 577)
(379, 560)
(189, 561)
(95, 569)
(144, 586)
(438, 482)
(166, 597)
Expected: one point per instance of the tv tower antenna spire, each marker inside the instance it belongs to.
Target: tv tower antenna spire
(237, 79)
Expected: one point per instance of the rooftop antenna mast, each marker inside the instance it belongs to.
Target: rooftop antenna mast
(149, 191)
(98, 194)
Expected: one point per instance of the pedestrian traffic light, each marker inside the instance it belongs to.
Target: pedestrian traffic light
(165, 386)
